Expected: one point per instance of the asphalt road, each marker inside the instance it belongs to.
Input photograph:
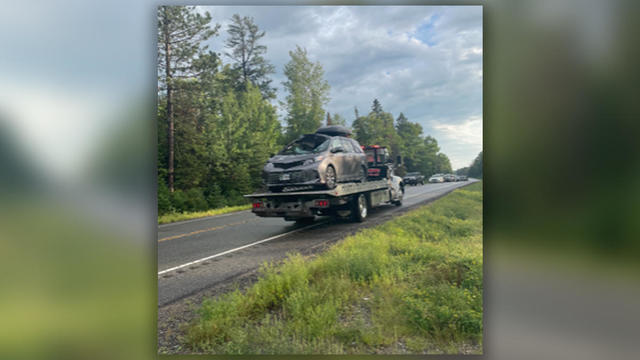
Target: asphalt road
(197, 254)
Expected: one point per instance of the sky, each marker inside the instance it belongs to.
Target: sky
(423, 61)
(71, 68)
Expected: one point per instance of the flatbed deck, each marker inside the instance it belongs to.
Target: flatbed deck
(340, 190)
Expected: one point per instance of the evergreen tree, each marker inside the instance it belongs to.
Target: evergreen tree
(377, 128)
(308, 92)
(181, 30)
(247, 54)
(376, 107)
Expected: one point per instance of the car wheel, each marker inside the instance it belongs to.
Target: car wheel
(360, 208)
(330, 177)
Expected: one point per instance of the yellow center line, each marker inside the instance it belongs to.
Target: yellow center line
(203, 230)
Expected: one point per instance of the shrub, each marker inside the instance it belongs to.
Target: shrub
(195, 200)
(179, 200)
(214, 196)
(164, 198)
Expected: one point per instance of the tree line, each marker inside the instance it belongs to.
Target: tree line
(474, 170)
(217, 124)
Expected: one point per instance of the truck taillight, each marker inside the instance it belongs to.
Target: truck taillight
(257, 204)
(322, 203)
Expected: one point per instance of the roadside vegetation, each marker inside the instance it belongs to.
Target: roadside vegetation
(411, 285)
(173, 217)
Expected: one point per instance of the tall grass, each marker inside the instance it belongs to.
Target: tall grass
(173, 217)
(411, 285)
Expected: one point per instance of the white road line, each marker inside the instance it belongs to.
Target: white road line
(238, 248)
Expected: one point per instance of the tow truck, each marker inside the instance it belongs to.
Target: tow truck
(353, 199)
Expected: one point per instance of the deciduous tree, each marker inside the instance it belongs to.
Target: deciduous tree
(308, 92)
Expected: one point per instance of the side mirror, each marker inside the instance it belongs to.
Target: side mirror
(337, 149)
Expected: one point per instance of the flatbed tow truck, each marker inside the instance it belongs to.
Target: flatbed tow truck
(352, 199)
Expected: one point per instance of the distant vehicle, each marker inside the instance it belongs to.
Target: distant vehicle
(413, 178)
(317, 160)
(436, 178)
(463, 178)
(449, 177)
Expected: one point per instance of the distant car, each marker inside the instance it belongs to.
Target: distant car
(449, 178)
(316, 160)
(436, 178)
(413, 178)
(463, 178)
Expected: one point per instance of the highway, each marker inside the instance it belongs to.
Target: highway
(195, 255)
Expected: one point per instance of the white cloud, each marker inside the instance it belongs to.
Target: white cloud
(469, 132)
(459, 141)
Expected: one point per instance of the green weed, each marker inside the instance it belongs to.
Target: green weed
(173, 217)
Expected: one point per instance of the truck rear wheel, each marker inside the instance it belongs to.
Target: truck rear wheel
(359, 208)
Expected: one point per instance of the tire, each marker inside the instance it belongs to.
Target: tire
(330, 177)
(359, 208)
(398, 202)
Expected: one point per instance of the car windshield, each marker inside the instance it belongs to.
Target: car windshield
(308, 144)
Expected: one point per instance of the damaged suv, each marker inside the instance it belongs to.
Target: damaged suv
(316, 160)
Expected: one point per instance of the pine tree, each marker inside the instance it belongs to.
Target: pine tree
(181, 30)
(376, 107)
(247, 53)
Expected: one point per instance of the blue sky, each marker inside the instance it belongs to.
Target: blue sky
(424, 61)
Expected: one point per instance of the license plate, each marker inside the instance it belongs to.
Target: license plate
(285, 177)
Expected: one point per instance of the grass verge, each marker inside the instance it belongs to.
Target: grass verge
(169, 218)
(411, 285)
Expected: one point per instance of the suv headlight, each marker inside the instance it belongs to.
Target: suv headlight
(311, 161)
